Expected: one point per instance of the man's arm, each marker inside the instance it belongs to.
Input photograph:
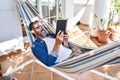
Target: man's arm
(42, 54)
(65, 40)
(58, 41)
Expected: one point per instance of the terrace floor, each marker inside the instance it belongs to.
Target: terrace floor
(16, 58)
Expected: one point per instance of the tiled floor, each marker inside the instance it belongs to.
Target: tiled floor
(25, 73)
(112, 70)
(11, 62)
(40, 73)
(78, 36)
(106, 72)
(87, 76)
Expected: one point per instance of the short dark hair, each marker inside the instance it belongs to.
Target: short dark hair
(36, 21)
(31, 26)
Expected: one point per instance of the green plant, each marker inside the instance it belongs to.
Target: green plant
(116, 26)
(116, 4)
(102, 24)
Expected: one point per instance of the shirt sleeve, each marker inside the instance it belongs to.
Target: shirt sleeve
(54, 54)
(42, 54)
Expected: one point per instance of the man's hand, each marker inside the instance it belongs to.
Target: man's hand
(59, 38)
(65, 39)
(58, 41)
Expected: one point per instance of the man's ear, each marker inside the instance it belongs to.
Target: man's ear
(32, 31)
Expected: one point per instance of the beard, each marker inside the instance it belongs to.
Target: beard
(42, 35)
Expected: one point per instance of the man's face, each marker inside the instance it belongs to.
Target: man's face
(39, 30)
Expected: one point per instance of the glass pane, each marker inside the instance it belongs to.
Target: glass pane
(53, 21)
(52, 1)
(44, 0)
(45, 11)
(52, 11)
(84, 1)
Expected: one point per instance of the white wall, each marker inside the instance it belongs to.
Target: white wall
(10, 27)
(8, 20)
(67, 9)
(100, 8)
(85, 18)
(97, 7)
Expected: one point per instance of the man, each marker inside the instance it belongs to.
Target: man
(39, 47)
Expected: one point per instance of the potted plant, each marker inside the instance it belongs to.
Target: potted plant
(114, 17)
(103, 32)
(116, 6)
(115, 31)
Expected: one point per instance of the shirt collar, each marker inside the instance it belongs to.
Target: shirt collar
(40, 40)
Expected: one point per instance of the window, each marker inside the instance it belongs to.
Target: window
(84, 1)
(49, 10)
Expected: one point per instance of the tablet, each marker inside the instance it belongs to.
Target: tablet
(61, 25)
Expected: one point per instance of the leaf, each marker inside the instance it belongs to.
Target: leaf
(95, 16)
(101, 20)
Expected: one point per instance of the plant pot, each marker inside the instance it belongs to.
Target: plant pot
(103, 35)
(115, 35)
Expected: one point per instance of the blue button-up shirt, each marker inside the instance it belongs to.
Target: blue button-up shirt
(40, 51)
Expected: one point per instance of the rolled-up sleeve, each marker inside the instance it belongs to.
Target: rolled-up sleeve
(53, 53)
(42, 54)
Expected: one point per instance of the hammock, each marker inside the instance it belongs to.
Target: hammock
(72, 22)
(89, 60)
(106, 54)
(92, 59)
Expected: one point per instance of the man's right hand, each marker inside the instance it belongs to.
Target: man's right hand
(58, 41)
(59, 38)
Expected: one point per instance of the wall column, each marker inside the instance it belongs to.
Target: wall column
(67, 8)
(100, 9)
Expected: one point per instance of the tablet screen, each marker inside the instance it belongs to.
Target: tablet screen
(61, 25)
